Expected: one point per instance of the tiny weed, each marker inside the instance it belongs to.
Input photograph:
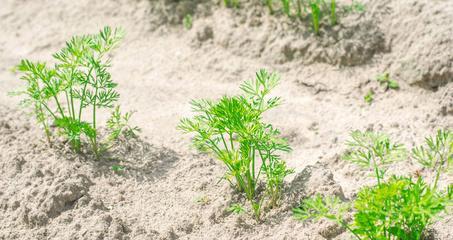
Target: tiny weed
(187, 22)
(384, 79)
(269, 4)
(118, 124)
(232, 130)
(231, 3)
(78, 83)
(203, 200)
(355, 6)
(437, 154)
(117, 168)
(319, 207)
(315, 16)
(369, 97)
(286, 4)
(318, 9)
(333, 12)
(236, 208)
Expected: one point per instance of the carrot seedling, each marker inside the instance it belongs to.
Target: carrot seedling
(333, 12)
(233, 131)
(236, 208)
(384, 79)
(187, 22)
(369, 97)
(231, 3)
(286, 5)
(397, 208)
(78, 83)
(315, 16)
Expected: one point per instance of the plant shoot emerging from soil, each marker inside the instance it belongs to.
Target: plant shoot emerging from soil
(397, 208)
(384, 79)
(374, 151)
(233, 131)
(187, 22)
(78, 83)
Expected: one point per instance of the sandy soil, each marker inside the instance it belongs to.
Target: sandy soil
(168, 191)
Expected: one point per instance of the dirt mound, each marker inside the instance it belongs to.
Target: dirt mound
(253, 32)
(421, 38)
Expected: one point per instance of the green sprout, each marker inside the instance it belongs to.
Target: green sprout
(233, 131)
(78, 83)
(369, 97)
(236, 208)
(286, 7)
(355, 6)
(315, 16)
(437, 154)
(374, 151)
(187, 22)
(384, 79)
(117, 168)
(231, 3)
(269, 4)
(398, 208)
(333, 12)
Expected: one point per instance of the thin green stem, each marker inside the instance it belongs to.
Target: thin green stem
(68, 102)
(84, 93)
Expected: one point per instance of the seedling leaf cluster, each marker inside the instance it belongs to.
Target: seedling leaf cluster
(70, 94)
(233, 131)
(397, 207)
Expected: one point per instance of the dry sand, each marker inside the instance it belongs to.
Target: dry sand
(168, 191)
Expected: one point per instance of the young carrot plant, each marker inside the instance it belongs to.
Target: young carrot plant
(233, 131)
(333, 12)
(384, 79)
(396, 208)
(355, 6)
(231, 3)
(269, 4)
(369, 97)
(187, 22)
(437, 155)
(286, 5)
(315, 16)
(78, 83)
(374, 151)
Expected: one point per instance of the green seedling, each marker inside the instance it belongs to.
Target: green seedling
(269, 4)
(384, 79)
(374, 151)
(117, 168)
(398, 208)
(315, 16)
(231, 3)
(236, 208)
(118, 125)
(203, 200)
(437, 154)
(319, 207)
(369, 97)
(78, 83)
(333, 12)
(188, 22)
(355, 6)
(286, 5)
(233, 131)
